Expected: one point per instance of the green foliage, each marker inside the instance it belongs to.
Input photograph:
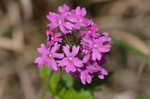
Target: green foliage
(54, 82)
(50, 79)
(68, 80)
(62, 85)
(73, 94)
(143, 97)
(45, 74)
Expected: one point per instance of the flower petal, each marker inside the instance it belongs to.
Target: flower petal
(58, 55)
(68, 25)
(64, 8)
(62, 28)
(78, 62)
(52, 25)
(66, 50)
(55, 48)
(40, 61)
(86, 58)
(105, 48)
(83, 12)
(85, 77)
(63, 62)
(75, 50)
(70, 68)
(96, 55)
(43, 50)
(52, 64)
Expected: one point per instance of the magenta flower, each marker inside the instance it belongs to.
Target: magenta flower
(96, 46)
(70, 61)
(44, 56)
(58, 20)
(94, 28)
(95, 68)
(102, 73)
(77, 16)
(91, 32)
(47, 57)
(85, 60)
(64, 8)
(89, 70)
(53, 37)
(85, 77)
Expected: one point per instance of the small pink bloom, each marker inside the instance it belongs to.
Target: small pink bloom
(58, 20)
(85, 77)
(53, 37)
(47, 56)
(70, 61)
(64, 8)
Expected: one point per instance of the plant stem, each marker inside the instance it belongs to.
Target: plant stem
(44, 91)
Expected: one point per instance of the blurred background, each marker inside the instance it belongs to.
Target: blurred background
(22, 28)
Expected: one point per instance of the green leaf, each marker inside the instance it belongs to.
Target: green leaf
(56, 97)
(143, 97)
(44, 74)
(54, 82)
(72, 94)
(50, 79)
(68, 80)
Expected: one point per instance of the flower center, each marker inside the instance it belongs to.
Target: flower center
(52, 38)
(70, 58)
(59, 22)
(80, 20)
(89, 32)
(50, 55)
(95, 45)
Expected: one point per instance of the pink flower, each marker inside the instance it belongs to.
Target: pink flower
(47, 57)
(95, 68)
(77, 16)
(89, 70)
(91, 32)
(44, 56)
(102, 73)
(85, 77)
(58, 20)
(64, 8)
(85, 60)
(53, 37)
(70, 61)
(96, 46)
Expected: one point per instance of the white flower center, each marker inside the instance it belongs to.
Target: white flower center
(70, 58)
(50, 55)
(89, 32)
(52, 38)
(59, 22)
(80, 20)
(95, 45)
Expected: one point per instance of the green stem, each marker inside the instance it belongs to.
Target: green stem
(67, 40)
(44, 91)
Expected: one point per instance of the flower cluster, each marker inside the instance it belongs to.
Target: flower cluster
(74, 45)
